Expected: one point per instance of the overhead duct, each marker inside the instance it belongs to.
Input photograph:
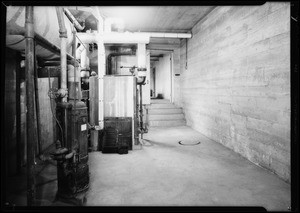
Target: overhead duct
(114, 38)
(110, 21)
(128, 38)
(167, 35)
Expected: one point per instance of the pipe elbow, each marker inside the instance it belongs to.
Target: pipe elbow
(73, 20)
(141, 80)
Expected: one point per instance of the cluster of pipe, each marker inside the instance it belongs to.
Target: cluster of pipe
(101, 38)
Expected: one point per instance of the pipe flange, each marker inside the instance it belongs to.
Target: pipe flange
(63, 34)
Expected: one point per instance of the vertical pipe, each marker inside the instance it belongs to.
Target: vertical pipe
(83, 56)
(18, 112)
(37, 107)
(29, 77)
(141, 111)
(101, 66)
(63, 52)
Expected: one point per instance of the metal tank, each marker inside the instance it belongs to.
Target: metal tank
(45, 26)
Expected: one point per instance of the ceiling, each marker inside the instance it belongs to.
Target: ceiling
(179, 19)
(157, 18)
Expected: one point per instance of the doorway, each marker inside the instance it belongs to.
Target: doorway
(161, 76)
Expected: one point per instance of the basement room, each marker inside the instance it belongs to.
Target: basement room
(149, 106)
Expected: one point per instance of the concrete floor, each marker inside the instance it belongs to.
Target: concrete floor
(165, 173)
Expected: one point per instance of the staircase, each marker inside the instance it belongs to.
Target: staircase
(162, 113)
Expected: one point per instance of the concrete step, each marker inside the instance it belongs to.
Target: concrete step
(158, 101)
(180, 122)
(162, 106)
(164, 117)
(164, 111)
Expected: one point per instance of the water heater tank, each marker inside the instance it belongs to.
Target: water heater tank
(45, 24)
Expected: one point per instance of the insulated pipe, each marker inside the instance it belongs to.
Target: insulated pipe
(63, 53)
(127, 37)
(101, 65)
(79, 51)
(83, 57)
(73, 20)
(30, 118)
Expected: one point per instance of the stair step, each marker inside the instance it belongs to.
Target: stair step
(160, 106)
(162, 117)
(157, 101)
(164, 111)
(180, 122)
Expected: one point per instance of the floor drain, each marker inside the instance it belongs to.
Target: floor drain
(189, 143)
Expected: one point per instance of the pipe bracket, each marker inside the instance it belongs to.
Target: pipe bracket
(63, 34)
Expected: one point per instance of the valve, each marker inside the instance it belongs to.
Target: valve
(62, 93)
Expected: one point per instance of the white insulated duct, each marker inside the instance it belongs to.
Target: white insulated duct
(128, 38)
(109, 21)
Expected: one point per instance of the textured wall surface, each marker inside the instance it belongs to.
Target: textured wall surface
(236, 89)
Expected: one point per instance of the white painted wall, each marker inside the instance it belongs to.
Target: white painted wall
(163, 77)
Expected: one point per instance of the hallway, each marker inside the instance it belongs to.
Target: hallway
(165, 173)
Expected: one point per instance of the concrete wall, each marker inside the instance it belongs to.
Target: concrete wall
(236, 89)
(163, 77)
